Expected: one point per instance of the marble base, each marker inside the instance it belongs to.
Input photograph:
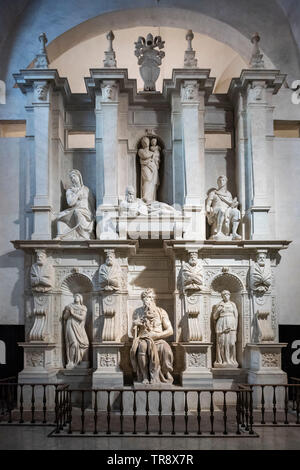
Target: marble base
(38, 359)
(107, 359)
(154, 401)
(265, 368)
(37, 370)
(265, 357)
(195, 227)
(225, 366)
(260, 227)
(78, 379)
(197, 360)
(228, 377)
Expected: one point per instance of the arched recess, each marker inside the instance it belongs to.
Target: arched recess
(160, 143)
(77, 283)
(238, 295)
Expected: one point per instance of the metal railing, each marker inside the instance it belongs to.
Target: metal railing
(295, 392)
(271, 404)
(29, 403)
(156, 411)
(152, 411)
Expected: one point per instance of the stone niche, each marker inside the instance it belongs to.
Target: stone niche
(150, 208)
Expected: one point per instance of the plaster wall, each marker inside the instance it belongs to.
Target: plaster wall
(287, 196)
(13, 222)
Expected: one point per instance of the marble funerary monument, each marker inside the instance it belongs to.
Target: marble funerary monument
(147, 262)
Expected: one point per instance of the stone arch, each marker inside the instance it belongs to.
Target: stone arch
(76, 283)
(184, 18)
(65, 31)
(229, 281)
(223, 24)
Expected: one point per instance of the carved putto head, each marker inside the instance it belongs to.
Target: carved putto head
(130, 194)
(76, 178)
(41, 257)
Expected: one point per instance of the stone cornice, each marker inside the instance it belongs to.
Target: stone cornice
(29, 245)
(205, 82)
(25, 79)
(273, 78)
(226, 246)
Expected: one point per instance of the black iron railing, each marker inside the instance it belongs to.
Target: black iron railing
(271, 404)
(150, 411)
(30, 403)
(156, 411)
(295, 392)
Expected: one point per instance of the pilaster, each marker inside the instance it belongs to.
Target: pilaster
(252, 94)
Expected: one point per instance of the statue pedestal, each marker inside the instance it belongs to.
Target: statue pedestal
(228, 377)
(264, 361)
(197, 360)
(107, 359)
(38, 360)
(195, 228)
(106, 222)
(38, 369)
(78, 378)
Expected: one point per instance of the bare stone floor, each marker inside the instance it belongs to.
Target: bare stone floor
(36, 438)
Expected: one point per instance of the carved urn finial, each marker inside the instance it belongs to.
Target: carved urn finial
(189, 55)
(110, 55)
(149, 59)
(41, 60)
(256, 61)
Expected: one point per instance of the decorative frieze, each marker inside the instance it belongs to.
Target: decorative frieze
(196, 360)
(270, 359)
(34, 359)
(107, 360)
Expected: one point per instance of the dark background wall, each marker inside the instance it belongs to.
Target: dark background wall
(11, 335)
(291, 354)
